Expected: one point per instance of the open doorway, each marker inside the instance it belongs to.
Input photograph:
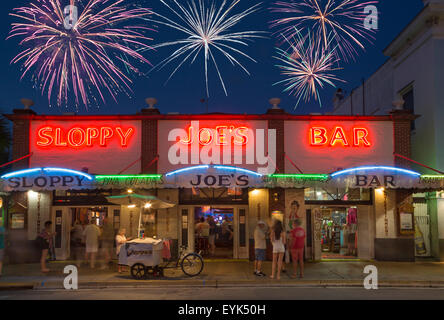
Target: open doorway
(339, 233)
(219, 241)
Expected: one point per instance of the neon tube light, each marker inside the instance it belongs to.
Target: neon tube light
(140, 176)
(237, 169)
(430, 176)
(300, 176)
(376, 168)
(187, 169)
(19, 173)
(87, 176)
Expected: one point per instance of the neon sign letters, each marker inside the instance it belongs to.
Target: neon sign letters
(77, 137)
(223, 144)
(220, 135)
(358, 137)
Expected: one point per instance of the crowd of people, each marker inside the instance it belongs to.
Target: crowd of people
(206, 233)
(89, 242)
(288, 240)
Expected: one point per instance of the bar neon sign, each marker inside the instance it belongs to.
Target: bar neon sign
(358, 137)
(50, 136)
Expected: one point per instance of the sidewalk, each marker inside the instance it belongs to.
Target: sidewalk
(232, 273)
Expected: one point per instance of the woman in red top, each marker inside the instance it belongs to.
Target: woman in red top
(297, 247)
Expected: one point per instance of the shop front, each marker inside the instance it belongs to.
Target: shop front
(337, 174)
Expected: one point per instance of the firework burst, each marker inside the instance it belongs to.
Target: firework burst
(344, 19)
(80, 47)
(207, 28)
(306, 66)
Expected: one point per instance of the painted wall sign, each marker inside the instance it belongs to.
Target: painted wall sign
(46, 179)
(104, 147)
(208, 176)
(247, 144)
(375, 177)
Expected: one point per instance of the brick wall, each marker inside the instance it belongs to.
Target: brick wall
(20, 139)
(402, 136)
(149, 142)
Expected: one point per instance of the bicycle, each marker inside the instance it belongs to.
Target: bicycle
(191, 264)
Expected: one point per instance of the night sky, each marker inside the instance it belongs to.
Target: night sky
(246, 94)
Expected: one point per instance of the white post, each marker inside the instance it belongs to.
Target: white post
(140, 220)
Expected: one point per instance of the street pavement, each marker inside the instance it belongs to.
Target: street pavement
(232, 273)
(231, 293)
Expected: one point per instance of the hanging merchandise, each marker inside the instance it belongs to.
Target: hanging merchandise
(419, 241)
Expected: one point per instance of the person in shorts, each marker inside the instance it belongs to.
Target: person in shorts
(91, 233)
(260, 246)
(297, 235)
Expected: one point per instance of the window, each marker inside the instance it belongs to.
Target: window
(338, 196)
(409, 103)
(213, 196)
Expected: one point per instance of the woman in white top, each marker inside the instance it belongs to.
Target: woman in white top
(278, 239)
(121, 239)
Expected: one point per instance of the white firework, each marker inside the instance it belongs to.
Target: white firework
(207, 27)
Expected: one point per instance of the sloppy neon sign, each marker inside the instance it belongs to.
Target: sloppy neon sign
(220, 136)
(77, 137)
(358, 137)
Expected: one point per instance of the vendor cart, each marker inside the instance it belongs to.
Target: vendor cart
(148, 258)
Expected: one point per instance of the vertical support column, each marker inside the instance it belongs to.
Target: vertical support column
(149, 141)
(277, 195)
(21, 137)
(402, 120)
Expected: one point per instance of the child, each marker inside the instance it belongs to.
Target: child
(297, 247)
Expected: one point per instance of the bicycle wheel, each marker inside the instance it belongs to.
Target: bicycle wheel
(192, 264)
(138, 271)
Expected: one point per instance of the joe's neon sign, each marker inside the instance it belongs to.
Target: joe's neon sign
(77, 137)
(357, 137)
(221, 136)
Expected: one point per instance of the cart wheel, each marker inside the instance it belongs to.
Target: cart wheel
(138, 271)
(192, 264)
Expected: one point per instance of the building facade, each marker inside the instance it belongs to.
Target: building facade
(411, 79)
(338, 174)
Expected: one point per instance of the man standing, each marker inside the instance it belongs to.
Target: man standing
(203, 233)
(260, 246)
(91, 233)
(107, 242)
(212, 237)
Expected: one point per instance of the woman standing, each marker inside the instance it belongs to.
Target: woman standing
(278, 239)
